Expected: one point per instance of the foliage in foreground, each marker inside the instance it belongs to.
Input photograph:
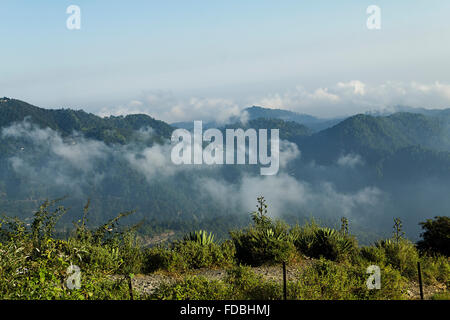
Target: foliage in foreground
(324, 280)
(36, 265)
(185, 255)
(436, 236)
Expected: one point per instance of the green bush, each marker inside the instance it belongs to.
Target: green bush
(43, 275)
(441, 296)
(316, 242)
(256, 246)
(435, 269)
(161, 258)
(193, 288)
(265, 241)
(131, 255)
(240, 284)
(373, 254)
(184, 255)
(402, 256)
(34, 265)
(245, 284)
(197, 255)
(436, 237)
(327, 280)
(202, 237)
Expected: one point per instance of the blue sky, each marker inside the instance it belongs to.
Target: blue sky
(167, 58)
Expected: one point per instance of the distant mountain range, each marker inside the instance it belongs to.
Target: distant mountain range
(255, 112)
(406, 155)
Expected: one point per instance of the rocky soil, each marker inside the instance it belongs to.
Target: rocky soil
(146, 284)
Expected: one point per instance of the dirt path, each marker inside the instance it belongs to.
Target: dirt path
(148, 283)
(413, 291)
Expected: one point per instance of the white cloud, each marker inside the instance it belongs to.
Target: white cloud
(168, 107)
(350, 160)
(74, 161)
(346, 98)
(322, 94)
(74, 164)
(81, 153)
(339, 99)
(355, 85)
(152, 162)
(288, 152)
(285, 194)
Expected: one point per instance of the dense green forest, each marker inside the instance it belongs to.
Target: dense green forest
(365, 167)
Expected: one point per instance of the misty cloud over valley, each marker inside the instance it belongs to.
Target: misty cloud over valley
(327, 174)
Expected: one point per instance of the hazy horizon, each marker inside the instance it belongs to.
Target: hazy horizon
(180, 62)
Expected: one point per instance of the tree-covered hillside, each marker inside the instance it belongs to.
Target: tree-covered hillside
(66, 121)
(376, 137)
(289, 130)
(365, 167)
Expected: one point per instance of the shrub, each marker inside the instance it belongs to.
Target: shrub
(105, 259)
(245, 284)
(402, 256)
(393, 285)
(193, 288)
(131, 254)
(373, 254)
(263, 242)
(43, 275)
(436, 269)
(184, 255)
(256, 247)
(202, 237)
(326, 280)
(161, 258)
(441, 296)
(241, 284)
(316, 242)
(34, 265)
(197, 255)
(436, 237)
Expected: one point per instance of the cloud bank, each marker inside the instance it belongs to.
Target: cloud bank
(76, 166)
(340, 99)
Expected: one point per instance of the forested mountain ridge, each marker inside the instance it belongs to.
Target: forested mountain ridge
(315, 124)
(377, 136)
(65, 121)
(123, 163)
(255, 112)
(288, 130)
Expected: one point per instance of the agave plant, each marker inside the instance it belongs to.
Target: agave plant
(201, 236)
(385, 243)
(343, 242)
(324, 242)
(269, 233)
(326, 233)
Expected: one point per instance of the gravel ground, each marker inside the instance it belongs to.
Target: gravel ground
(146, 284)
